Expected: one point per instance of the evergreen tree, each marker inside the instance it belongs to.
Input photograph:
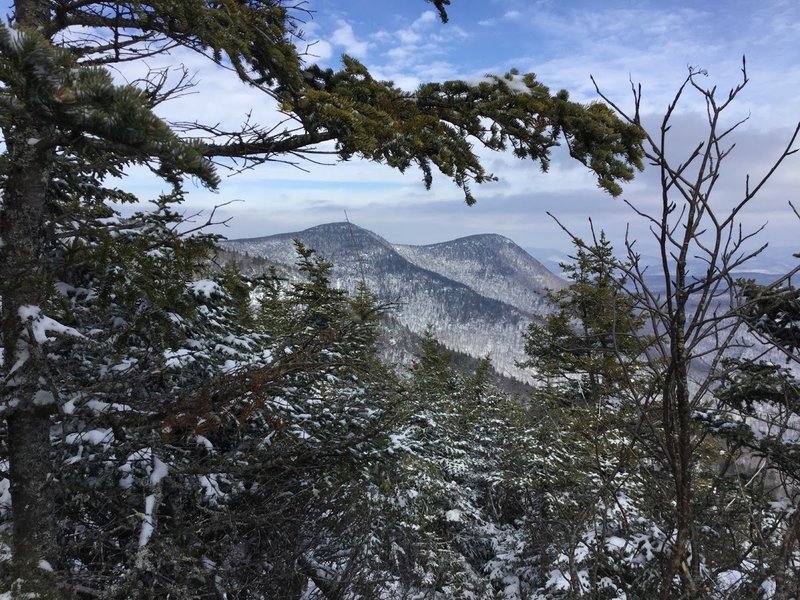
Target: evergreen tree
(454, 510)
(590, 341)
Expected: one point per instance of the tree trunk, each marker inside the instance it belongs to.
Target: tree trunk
(24, 282)
(677, 436)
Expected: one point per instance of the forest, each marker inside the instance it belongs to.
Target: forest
(173, 428)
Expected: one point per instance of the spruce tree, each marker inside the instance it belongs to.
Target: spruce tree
(588, 345)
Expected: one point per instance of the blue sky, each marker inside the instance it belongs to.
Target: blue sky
(563, 42)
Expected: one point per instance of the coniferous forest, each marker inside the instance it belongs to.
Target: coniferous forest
(173, 428)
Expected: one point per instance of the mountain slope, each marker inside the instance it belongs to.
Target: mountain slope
(490, 264)
(478, 294)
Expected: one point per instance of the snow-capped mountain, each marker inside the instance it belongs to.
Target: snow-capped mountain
(490, 264)
(477, 293)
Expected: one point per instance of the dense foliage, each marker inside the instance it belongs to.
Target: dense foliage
(102, 309)
(170, 429)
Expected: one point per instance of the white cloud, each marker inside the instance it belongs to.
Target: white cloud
(652, 44)
(345, 37)
(413, 53)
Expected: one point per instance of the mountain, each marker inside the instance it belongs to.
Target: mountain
(490, 264)
(477, 293)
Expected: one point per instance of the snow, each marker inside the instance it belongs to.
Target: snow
(729, 581)
(94, 437)
(515, 83)
(5, 490)
(211, 487)
(45, 566)
(557, 581)
(68, 408)
(205, 288)
(43, 398)
(205, 442)
(100, 407)
(175, 359)
(399, 441)
(125, 365)
(141, 455)
(230, 365)
(453, 515)
(160, 471)
(42, 325)
(615, 544)
(767, 589)
(23, 354)
(147, 520)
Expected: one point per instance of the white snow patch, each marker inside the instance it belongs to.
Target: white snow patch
(515, 83)
(767, 589)
(147, 520)
(557, 581)
(205, 442)
(206, 288)
(68, 407)
(453, 515)
(729, 581)
(100, 407)
(125, 365)
(159, 471)
(141, 455)
(94, 437)
(230, 366)
(178, 358)
(23, 354)
(42, 325)
(5, 490)
(398, 441)
(211, 487)
(614, 543)
(45, 566)
(43, 398)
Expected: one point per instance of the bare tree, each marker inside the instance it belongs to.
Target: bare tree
(692, 310)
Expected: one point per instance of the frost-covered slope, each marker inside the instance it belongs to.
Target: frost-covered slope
(490, 264)
(478, 294)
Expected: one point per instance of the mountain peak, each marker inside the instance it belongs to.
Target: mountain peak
(478, 292)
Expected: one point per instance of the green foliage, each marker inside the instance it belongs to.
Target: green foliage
(745, 383)
(80, 111)
(591, 340)
(430, 128)
(434, 125)
(452, 494)
(219, 435)
(773, 313)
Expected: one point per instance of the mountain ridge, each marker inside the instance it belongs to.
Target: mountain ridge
(478, 293)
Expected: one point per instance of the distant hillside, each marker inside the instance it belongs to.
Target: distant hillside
(490, 264)
(478, 293)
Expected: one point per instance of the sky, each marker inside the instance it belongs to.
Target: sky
(652, 43)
